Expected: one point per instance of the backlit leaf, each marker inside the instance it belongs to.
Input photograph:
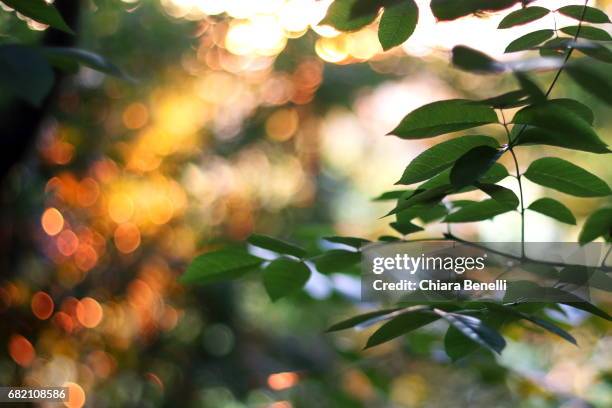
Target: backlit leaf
(219, 266)
(588, 32)
(351, 15)
(469, 59)
(40, 11)
(472, 165)
(523, 16)
(283, 277)
(554, 209)
(566, 177)
(530, 40)
(397, 23)
(442, 156)
(442, 117)
(336, 260)
(599, 224)
(478, 211)
(276, 245)
(502, 195)
(591, 14)
(400, 325)
(474, 329)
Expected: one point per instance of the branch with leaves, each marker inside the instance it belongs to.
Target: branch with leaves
(466, 163)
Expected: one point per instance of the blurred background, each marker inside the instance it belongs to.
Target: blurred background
(250, 116)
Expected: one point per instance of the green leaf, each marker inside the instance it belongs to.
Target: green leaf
(592, 80)
(69, 58)
(576, 107)
(25, 73)
(276, 245)
(397, 23)
(530, 87)
(453, 9)
(442, 156)
(566, 177)
(40, 11)
(545, 324)
(336, 260)
(351, 15)
(530, 40)
(595, 50)
(284, 276)
(555, 125)
(350, 241)
(405, 227)
(442, 117)
(400, 325)
(356, 320)
(599, 224)
(496, 173)
(588, 32)
(554, 209)
(592, 15)
(474, 329)
(469, 59)
(478, 211)
(502, 195)
(523, 16)
(472, 165)
(393, 195)
(219, 266)
(430, 196)
(456, 345)
(426, 213)
(510, 99)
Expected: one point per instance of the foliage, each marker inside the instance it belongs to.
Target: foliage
(466, 162)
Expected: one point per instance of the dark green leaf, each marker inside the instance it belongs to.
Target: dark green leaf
(591, 14)
(453, 9)
(351, 15)
(25, 73)
(397, 23)
(554, 209)
(431, 196)
(68, 58)
(356, 320)
(576, 107)
(557, 126)
(40, 11)
(474, 329)
(523, 16)
(588, 32)
(545, 324)
(592, 80)
(442, 117)
(469, 59)
(496, 173)
(392, 195)
(400, 325)
(511, 99)
(472, 165)
(219, 266)
(283, 277)
(442, 156)
(478, 211)
(350, 241)
(566, 177)
(336, 260)
(276, 245)
(426, 213)
(502, 195)
(575, 275)
(530, 40)
(599, 224)
(457, 345)
(595, 50)
(406, 227)
(530, 87)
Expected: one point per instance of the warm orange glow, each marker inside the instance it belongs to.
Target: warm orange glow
(63, 321)
(76, 395)
(120, 207)
(282, 124)
(67, 243)
(85, 257)
(280, 381)
(89, 312)
(52, 221)
(21, 350)
(127, 238)
(135, 116)
(280, 404)
(101, 363)
(42, 305)
(87, 192)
